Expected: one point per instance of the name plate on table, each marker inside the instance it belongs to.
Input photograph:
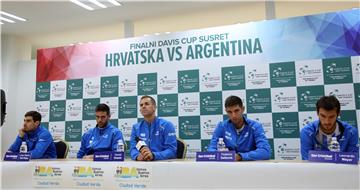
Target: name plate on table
(17, 157)
(333, 157)
(108, 156)
(225, 156)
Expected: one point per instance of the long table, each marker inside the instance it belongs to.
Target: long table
(176, 174)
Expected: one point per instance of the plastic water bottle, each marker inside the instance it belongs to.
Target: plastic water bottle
(23, 147)
(221, 145)
(334, 145)
(120, 146)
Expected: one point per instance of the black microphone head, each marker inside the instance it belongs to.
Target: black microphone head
(137, 139)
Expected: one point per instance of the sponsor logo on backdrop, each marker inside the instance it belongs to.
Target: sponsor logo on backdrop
(42, 91)
(210, 81)
(167, 84)
(74, 89)
(92, 88)
(43, 110)
(345, 98)
(337, 70)
(207, 127)
(189, 105)
(256, 78)
(286, 152)
(189, 127)
(284, 101)
(126, 128)
(147, 83)
(127, 86)
(108, 87)
(188, 81)
(286, 125)
(57, 130)
(74, 110)
(73, 131)
(233, 78)
(258, 101)
(306, 121)
(308, 74)
(283, 74)
(168, 105)
(58, 91)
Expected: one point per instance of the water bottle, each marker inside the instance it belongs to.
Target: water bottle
(23, 147)
(221, 145)
(334, 145)
(120, 146)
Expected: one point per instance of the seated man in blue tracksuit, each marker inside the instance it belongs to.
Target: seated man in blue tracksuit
(244, 136)
(157, 135)
(317, 135)
(38, 139)
(103, 137)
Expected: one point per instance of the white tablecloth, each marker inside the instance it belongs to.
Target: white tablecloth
(180, 175)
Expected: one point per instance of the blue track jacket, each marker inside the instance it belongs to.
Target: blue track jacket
(348, 138)
(39, 143)
(251, 143)
(100, 139)
(160, 137)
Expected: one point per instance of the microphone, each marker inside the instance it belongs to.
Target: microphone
(140, 143)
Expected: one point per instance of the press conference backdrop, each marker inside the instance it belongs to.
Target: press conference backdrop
(279, 68)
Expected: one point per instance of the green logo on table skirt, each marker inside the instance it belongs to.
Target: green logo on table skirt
(349, 116)
(89, 106)
(42, 91)
(74, 89)
(167, 105)
(286, 125)
(210, 103)
(147, 83)
(205, 145)
(188, 81)
(308, 96)
(258, 100)
(189, 127)
(357, 95)
(233, 78)
(337, 70)
(128, 107)
(109, 86)
(57, 110)
(282, 74)
(73, 131)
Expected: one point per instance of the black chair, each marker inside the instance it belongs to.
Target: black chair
(62, 148)
(181, 149)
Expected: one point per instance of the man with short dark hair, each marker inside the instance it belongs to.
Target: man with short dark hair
(240, 134)
(318, 134)
(157, 133)
(38, 139)
(103, 137)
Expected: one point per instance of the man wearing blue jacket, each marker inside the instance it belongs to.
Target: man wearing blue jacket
(153, 138)
(317, 135)
(244, 136)
(103, 137)
(38, 139)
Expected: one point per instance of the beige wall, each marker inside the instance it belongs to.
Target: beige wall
(201, 19)
(302, 8)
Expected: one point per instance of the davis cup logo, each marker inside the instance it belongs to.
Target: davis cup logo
(70, 128)
(143, 82)
(88, 107)
(123, 104)
(278, 97)
(86, 127)
(280, 122)
(206, 77)
(335, 92)
(163, 102)
(184, 79)
(228, 75)
(252, 74)
(306, 121)
(282, 148)
(305, 96)
(207, 124)
(206, 101)
(252, 99)
(185, 101)
(276, 72)
(123, 83)
(330, 68)
(303, 70)
(125, 128)
(357, 67)
(184, 124)
(163, 80)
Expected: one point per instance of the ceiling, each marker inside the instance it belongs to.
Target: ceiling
(45, 17)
